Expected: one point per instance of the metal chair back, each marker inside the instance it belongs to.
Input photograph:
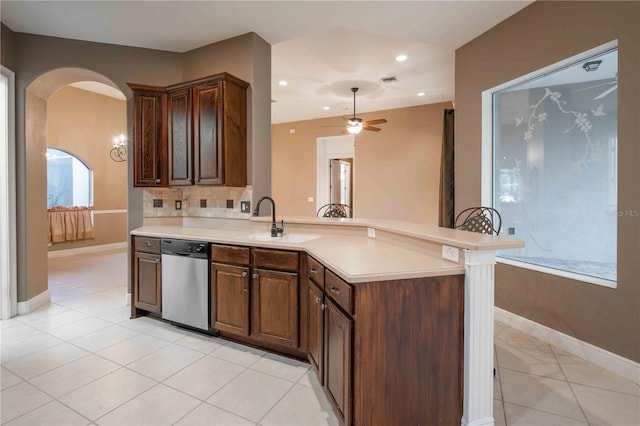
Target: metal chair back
(484, 220)
(334, 210)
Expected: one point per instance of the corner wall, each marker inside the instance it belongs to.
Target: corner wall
(540, 35)
(84, 123)
(396, 170)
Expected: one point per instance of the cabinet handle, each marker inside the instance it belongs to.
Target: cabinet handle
(156, 261)
(318, 299)
(335, 291)
(313, 271)
(197, 180)
(255, 275)
(244, 275)
(246, 290)
(158, 181)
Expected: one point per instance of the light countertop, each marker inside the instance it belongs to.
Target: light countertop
(354, 257)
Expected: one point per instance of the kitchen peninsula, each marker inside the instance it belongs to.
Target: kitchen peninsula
(396, 332)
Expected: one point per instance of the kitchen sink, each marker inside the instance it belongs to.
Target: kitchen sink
(286, 238)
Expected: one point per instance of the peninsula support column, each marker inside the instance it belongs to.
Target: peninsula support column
(478, 338)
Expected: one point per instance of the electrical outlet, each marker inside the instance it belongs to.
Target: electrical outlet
(203, 203)
(512, 231)
(229, 204)
(178, 204)
(371, 232)
(245, 206)
(450, 253)
(157, 202)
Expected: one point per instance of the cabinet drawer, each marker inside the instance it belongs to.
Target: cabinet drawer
(230, 254)
(275, 259)
(147, 244)
(339, 290)
(315, 271)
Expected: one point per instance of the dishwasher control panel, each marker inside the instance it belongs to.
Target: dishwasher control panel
(187, 248)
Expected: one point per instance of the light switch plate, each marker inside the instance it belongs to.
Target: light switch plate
(371, 232)
(450, 253)
(245, 206)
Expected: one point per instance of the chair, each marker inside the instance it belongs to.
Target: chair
(484, 220)
(334, 210)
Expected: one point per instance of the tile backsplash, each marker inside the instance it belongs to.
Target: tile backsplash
(190, 200)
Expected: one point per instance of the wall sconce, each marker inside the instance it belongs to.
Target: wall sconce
(119, 151)
(591, 65)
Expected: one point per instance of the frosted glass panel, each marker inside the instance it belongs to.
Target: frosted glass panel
(555, 167)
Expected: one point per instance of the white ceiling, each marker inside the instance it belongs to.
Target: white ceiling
(322, 48)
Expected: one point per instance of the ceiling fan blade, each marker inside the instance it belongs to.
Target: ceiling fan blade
(378, 121)
(605, 93)
(373, 129)
(333, 126)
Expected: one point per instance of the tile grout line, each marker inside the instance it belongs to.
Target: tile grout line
(569, 384)
(504, 409)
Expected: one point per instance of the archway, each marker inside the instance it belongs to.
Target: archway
(37, 94)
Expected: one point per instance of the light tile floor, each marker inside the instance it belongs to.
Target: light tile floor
(80, 360)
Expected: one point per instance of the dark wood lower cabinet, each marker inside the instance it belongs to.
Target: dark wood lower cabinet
(274, 311)
(230, 298)
(338, 360)
(315, 329)
(148, 281)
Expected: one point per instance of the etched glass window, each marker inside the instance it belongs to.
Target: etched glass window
(555, 167)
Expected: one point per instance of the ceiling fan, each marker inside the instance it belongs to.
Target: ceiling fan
(355, 125)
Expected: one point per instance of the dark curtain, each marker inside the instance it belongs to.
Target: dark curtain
(447, 185)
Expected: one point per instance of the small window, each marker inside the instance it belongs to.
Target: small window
(555, 169)
(69, 180)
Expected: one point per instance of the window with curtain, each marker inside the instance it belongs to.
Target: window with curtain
(555, 169)
(69, 180)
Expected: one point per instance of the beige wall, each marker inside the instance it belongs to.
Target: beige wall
(36, 207)
(540, 35)
(84, 123)
(37, 56)
(396, 171)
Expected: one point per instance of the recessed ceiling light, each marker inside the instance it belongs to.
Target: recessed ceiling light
(326, 108)
(421, 94)
(401, 58)
(282, 83)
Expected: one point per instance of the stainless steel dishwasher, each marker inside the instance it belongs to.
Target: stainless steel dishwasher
(185, 282)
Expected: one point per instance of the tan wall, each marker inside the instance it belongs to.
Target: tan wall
(396, 171)
(84, 123)
(7, 54)
(540, 35)
(36, 206)
(37, 56)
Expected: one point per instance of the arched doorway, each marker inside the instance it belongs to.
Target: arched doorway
(90, 141)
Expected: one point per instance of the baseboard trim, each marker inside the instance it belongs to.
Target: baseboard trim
(127, 299)
(605, 359)
(88, 249)
(488, 421)
(34, 303)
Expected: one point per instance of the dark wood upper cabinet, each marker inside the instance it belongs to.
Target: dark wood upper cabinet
(207, 134)
(179, 113)
(149, 136)
(191, 133)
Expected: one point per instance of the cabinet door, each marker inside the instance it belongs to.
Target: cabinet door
(148, 282)
(149, 138)
(338, 332)
(274, 312)
(230, 298)
(179, 135)
(315, 331)
(207, 135)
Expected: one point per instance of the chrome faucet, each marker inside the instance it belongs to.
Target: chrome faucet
(274, 228)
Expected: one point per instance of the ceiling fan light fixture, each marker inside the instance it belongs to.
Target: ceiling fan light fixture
(401, 58)
(354, 129)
